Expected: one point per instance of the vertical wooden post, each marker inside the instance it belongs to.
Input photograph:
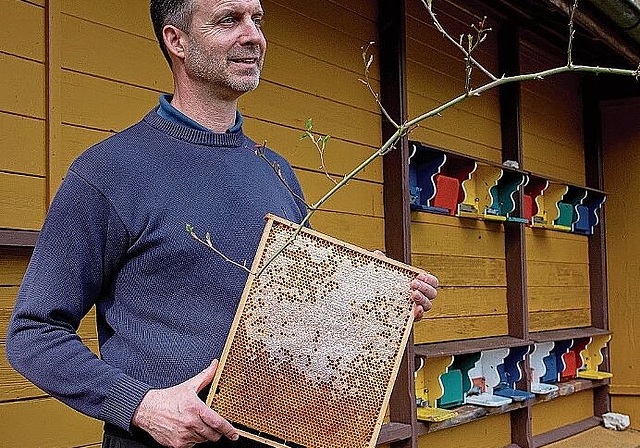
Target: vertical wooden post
(397, 218)
(597, 244)
(514, 238)
(53, 86)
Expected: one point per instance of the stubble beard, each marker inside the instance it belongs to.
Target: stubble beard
(217, 73)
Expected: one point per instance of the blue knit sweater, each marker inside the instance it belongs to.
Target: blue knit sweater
(115, 237)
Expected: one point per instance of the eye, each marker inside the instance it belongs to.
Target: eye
(258, 20)
(228, 20)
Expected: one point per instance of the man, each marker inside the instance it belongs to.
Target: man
(115, 238)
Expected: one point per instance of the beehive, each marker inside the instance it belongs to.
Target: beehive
(316, 343)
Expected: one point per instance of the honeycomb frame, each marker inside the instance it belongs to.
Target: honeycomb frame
(316, 342)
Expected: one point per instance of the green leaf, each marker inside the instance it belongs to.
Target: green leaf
(309, 124)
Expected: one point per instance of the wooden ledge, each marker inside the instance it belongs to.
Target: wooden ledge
(570, 387)
(393, 432)
(461, 347)
(567, 333)
(18, 238)
(469, 413)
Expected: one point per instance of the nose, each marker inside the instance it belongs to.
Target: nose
(252, 32)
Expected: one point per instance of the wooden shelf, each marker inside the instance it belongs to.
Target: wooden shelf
(570, 387)
(18, 238)
(567, 333)
(393, 432)
(437, 349)
(469, 413)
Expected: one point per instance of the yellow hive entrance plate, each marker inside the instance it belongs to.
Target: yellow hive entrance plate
(316, 343)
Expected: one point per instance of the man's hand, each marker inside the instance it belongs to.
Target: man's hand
(175, 417)
(423, 291)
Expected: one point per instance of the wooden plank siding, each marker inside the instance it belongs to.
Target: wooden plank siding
(553, 147)
(490, 432)
(552, 141)
(558, 280)
(22, 113)
(622, 181)
(467, 255)
(57, 425)
(562, 411)
(436, 74)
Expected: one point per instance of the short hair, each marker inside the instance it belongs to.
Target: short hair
(170, 12)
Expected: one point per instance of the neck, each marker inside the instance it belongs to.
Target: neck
(217, 114)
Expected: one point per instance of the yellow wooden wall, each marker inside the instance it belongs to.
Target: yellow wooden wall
(312, 70)
(552, 142)
(466, 255)
(84, 70)
(621, 141)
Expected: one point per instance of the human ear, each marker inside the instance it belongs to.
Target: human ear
(173, 41)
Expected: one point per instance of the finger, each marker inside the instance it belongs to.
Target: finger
(218, 424)
(208, 434)
(421, 300)
(425, 288)
(429, 279)
(379, 253)
(418, 312)
(204, 378)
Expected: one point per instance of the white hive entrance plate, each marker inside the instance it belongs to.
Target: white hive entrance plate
(316, 343)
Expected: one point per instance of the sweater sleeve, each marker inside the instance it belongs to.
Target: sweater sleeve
(77, 254)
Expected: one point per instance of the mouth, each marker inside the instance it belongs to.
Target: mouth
(245, 61)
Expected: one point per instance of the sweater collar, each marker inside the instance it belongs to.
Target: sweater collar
(194, 135)
(168, 111)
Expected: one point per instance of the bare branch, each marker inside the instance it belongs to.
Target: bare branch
(260, 152)
(368, 60)
(572, 33)
(459, 45)
(207, 242)
(321, 144)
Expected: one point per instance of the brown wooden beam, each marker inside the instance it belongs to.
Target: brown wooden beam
(514, 237)
(594, 173)
(397, 217)
(566, 431)
(18, 238)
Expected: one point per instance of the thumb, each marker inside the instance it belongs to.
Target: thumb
(204, 378)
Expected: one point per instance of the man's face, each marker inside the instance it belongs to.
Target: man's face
(226, 46)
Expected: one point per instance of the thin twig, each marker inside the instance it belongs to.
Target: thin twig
(520, 78)
(207, 242)
(321, 145)
(388, 146)
(260, 152)
(571, 34)
(368, 60)
(436, 22)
